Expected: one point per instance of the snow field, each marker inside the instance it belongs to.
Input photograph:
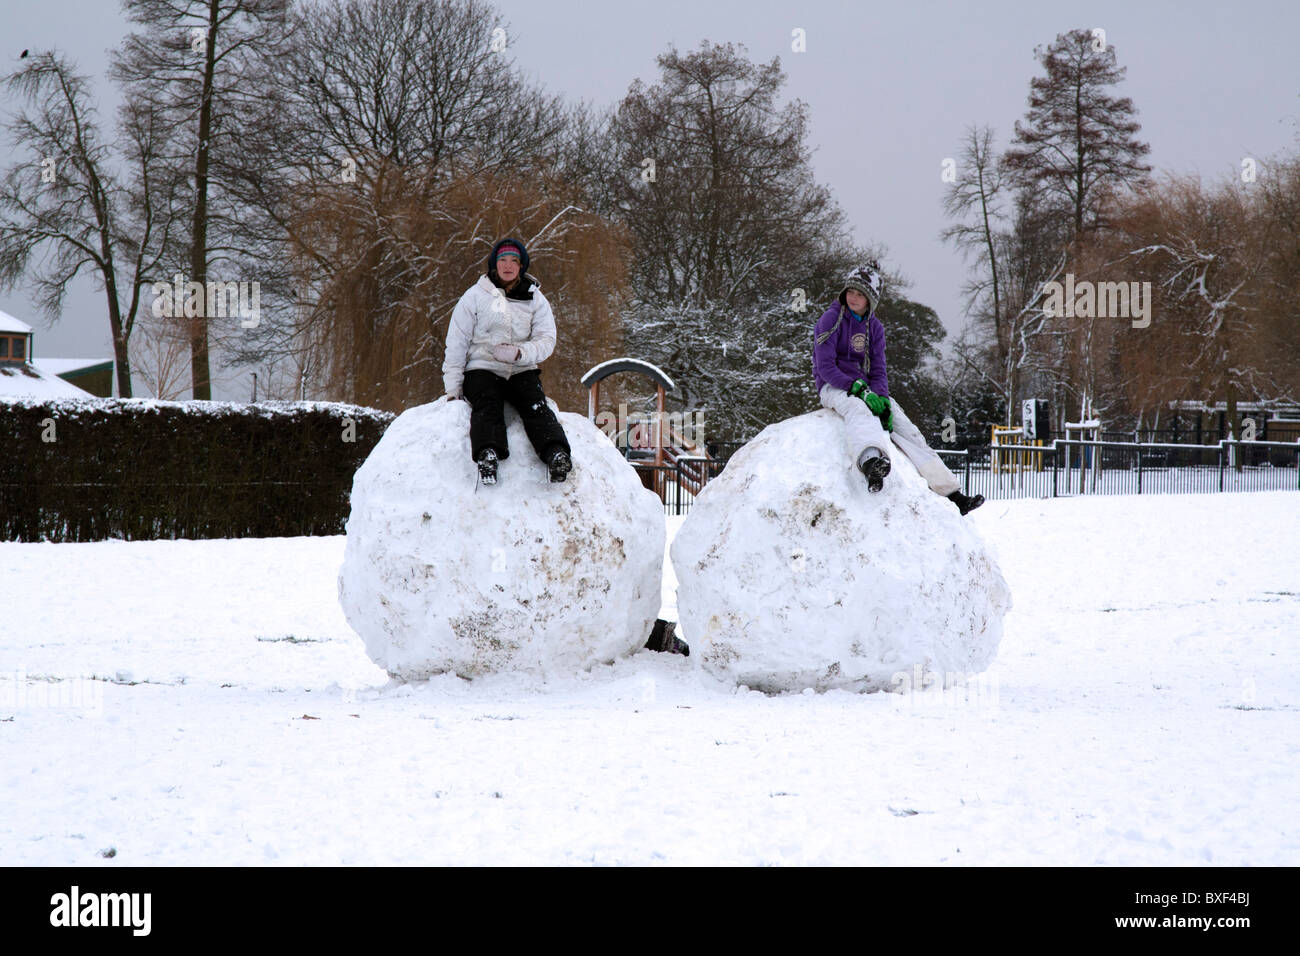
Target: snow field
(1144, 709)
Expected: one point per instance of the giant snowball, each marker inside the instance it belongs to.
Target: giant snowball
(791, 574)
(441, 574)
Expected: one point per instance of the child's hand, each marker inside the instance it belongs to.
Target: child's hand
(878, 404)
(507, 353)
(858, 388)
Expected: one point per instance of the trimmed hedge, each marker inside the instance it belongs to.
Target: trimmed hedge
(92, 469)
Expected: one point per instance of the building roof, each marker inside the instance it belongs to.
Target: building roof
(66, 366)
(9, 324)
(28, 381)
(1276, 406)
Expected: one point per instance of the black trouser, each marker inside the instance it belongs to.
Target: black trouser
(487, 394)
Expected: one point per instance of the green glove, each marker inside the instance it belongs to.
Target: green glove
(879, 406)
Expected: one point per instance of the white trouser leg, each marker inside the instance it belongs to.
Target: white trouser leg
(862, 428)
(913, 444)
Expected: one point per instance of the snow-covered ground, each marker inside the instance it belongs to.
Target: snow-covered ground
(1144, 709)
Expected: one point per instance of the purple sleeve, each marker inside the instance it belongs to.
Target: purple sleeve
(877, 374)
(824, 355)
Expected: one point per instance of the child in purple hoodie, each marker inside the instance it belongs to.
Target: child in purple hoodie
(849, 368)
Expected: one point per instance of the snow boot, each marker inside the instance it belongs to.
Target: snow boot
(559, 464)
(966, 503)
(663, 640)
(875, 468)
(487, 466)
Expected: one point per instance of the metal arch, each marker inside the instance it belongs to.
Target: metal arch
(605, 369)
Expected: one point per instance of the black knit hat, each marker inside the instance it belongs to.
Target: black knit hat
(508, 241)
(865, 279)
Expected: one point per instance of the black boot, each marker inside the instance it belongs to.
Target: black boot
(487, 466)
(966, 503)
(663, 640)
(559, 464)
(875, 468)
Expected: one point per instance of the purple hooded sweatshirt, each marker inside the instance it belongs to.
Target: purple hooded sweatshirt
(847, 348)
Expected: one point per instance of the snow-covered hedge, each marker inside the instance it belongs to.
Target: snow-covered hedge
(91, 469)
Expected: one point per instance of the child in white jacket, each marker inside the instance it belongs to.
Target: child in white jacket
(501, 330)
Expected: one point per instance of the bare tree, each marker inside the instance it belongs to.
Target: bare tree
(975, 201)
(355, 185)
(716, 182)
(1279, 204)
(586, 155)
(1013, 345)
(1074, 153)
(713, 179)
(190, 66)
(160, 350)
(1207, 253)
(65, 209)
(968, 393)
(1036, 253)
(419, 261)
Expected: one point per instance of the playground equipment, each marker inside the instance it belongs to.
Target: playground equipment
(1031, 433)
(1013, 461)
(682, 455)
(1089, 433)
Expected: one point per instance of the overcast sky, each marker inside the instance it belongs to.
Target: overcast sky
(889, 89)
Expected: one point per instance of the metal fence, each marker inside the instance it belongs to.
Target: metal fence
(1062, 469)
(678, 484)
(1078, 467)
(1267, 429)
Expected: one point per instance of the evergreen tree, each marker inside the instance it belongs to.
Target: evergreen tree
(1078, 143)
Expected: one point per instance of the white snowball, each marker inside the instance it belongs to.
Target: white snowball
(791, 574)
(440, 576)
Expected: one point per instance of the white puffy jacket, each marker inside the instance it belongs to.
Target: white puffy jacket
(484, 317)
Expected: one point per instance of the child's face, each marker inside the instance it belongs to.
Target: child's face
(857, 301)
(507, 268)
